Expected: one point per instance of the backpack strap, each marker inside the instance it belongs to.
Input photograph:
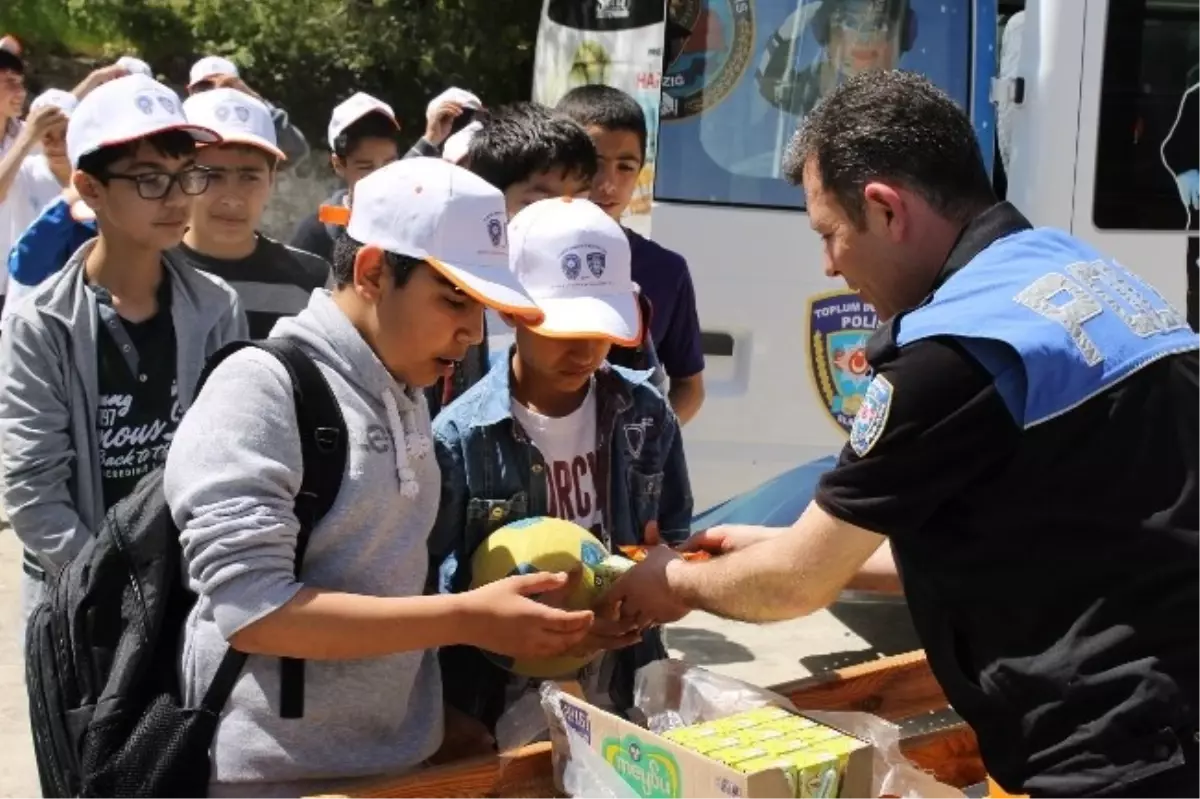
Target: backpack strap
(323, 445)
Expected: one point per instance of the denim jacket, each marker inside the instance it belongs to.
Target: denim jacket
(492, 474)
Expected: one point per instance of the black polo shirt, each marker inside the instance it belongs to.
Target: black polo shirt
(1052, 572)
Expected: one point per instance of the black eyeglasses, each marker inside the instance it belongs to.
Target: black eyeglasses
(192, 180)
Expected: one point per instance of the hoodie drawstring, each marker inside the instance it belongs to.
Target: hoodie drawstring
(415, 445)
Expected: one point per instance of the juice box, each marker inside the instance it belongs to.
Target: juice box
(810, 772)
(737, 754)
(789, 725)
(711, 743)
(749, 718)
(685, 735)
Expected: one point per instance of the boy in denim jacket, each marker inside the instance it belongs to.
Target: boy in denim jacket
(554, 430)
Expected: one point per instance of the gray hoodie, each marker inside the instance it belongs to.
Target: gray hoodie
(231, 478)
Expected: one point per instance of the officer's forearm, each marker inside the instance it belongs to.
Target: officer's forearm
(790, 575)
(878, 574)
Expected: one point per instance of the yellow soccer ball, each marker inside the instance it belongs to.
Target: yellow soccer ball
(544, 544)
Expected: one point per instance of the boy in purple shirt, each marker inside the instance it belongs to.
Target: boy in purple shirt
(617, 126)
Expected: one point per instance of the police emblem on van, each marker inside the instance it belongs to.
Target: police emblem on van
(839, 324)
(709, 47)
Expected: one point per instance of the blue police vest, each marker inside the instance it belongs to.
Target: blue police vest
(1078, 322)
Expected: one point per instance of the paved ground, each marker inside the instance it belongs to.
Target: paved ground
(850, 633)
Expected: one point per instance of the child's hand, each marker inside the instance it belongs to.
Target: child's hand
(502, 618)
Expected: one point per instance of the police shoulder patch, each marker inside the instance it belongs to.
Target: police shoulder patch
(872, 416)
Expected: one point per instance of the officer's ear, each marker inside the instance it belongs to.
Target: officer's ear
(886, 210)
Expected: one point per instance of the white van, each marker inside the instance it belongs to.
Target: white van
(1100, 130)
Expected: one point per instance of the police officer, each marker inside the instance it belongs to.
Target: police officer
(1027, 447)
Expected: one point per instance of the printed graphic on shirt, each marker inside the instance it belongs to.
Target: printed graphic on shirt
(571, 490)
(568, 447)
(135, 432)
(839, 324)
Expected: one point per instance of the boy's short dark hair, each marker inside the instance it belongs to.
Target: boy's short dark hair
(270, 158)
(375, 125)
(169, 143)
(605, 107)
(523, 139)
(11, 62)
(345, 250)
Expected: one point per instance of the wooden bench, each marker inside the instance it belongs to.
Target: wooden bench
(900, 689)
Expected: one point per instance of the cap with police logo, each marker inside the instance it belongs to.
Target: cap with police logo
(574, 261)
(450, 218)
(125, 110)
(236, 117)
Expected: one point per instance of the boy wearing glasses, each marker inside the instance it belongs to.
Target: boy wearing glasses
(98, 364)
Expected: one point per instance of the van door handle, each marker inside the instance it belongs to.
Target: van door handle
(716, 343)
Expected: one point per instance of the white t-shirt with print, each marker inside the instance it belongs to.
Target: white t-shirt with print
(568, 446)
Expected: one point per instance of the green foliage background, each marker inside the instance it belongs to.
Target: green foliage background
(305, 55)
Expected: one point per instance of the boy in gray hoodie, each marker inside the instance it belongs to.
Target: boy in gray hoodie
(424, 252)
(99, 362)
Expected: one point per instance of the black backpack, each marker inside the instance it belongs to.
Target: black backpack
(102, 649)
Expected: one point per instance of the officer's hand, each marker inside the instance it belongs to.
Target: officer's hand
(726, 538)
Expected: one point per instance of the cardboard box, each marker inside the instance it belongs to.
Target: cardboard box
(655, 766)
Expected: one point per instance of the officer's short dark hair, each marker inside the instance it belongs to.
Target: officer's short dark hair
(525, 138)
(605, 107)
(893, 126)
(345, 250)
(169, 144)
(375, 125)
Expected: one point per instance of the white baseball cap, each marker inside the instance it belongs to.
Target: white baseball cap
(63, 101)
(210, 67)
(455, 95)
(236, 117)
(456, 147)
(574, 260)
(135, 66)
(124, 110)
(350, 111)
(448, 217)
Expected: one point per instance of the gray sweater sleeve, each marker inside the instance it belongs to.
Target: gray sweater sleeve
(231, 479)
(37, 452)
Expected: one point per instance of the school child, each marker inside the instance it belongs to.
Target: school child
(423, 253)
(617, 126)
(223, 238)
(98, 364)
(554, 430)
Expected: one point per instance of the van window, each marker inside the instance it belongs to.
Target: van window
(739, 75)
(1147, 146)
